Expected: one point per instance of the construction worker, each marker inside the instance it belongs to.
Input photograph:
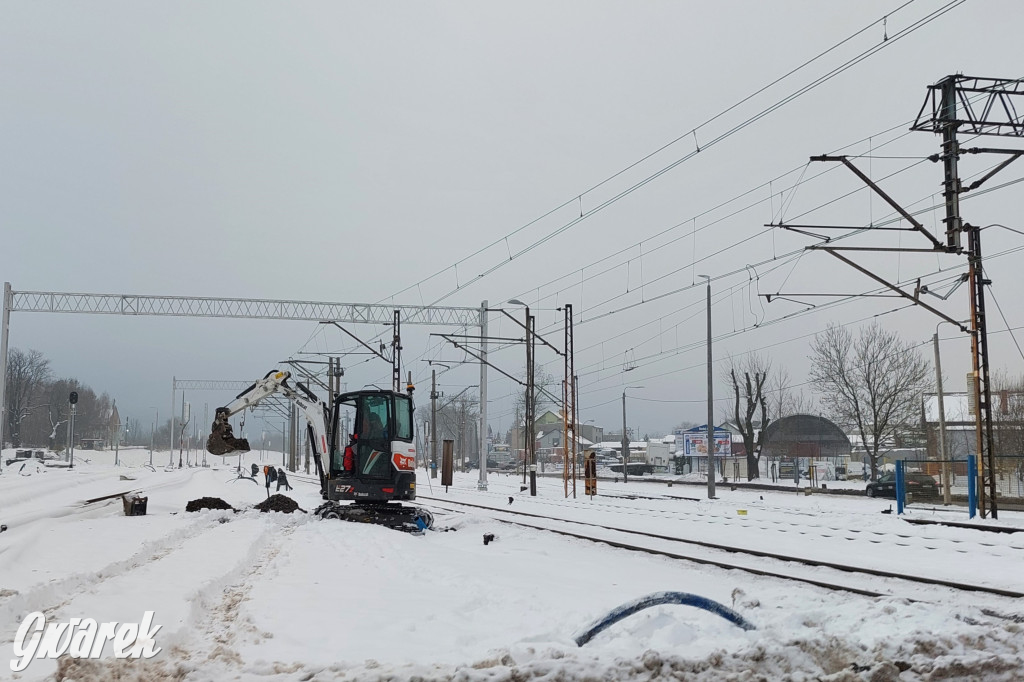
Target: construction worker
(282, 480)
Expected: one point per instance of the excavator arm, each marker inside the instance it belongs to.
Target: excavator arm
(222, 441)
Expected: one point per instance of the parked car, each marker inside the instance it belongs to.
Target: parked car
(920, 485)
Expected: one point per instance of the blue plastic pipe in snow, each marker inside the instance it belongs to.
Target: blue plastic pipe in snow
(901, 486)
(682, 598)
(972, 486)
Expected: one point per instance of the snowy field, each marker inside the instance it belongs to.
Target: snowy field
(253, 596)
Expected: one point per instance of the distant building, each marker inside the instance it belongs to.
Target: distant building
(805, 435)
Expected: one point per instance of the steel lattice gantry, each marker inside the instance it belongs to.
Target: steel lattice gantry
(253, 308)
(244, 308)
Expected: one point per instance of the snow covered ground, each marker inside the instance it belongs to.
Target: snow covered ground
(255, 596)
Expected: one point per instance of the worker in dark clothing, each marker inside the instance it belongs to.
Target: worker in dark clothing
(255, 470)
(282, 480)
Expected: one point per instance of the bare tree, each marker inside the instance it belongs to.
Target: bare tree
(1008, 415)
(872, 384)
(457, 419)
(26, 374)
(544, 393)
(748, 378)
(782, 400)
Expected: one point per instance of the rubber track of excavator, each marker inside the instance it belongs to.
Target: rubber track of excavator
(414, 520)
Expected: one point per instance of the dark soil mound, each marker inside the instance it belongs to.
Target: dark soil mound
(279, 503)
(207, 503)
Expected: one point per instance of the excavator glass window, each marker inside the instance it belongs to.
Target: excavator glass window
(403, 418)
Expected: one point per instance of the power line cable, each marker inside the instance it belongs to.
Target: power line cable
(913, 27)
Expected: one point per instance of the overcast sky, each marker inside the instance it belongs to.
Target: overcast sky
(357, 152)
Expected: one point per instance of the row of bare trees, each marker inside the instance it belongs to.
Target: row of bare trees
(870, 385)
(37, 407)
(458, 419)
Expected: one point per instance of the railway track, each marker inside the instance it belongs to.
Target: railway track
(813, 527)
(821, 573)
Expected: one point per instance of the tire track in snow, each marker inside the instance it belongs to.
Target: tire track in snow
(51, 596)
(214, 625)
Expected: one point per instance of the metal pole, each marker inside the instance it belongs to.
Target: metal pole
(170, 454)
(712, 473)
(625, 442)
(74, 409)
(531, 400)
(182, 436)
(5, 327)
(482, 483)
(950, 155)
(433, 423)
(942, 422)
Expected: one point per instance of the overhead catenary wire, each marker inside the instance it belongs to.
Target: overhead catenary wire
(791, 193)
(994, 188)
(914, 26)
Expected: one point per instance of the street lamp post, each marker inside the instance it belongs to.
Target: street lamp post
(625, 438)
(711, 405)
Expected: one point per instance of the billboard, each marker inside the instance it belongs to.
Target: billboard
(695, 443)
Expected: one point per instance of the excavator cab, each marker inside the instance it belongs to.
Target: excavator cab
(372, 453)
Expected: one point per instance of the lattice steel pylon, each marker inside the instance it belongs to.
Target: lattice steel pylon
(979, 106)
(570, 418)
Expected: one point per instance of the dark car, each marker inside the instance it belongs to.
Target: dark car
(920, 485)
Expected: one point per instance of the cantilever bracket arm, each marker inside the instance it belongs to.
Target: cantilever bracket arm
(463, 347)
(535, 334)
(366, 345)
(297, 364)
(893, 287)
(1015, 154)
(939, 246)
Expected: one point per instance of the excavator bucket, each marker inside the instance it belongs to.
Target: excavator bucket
(221, 440)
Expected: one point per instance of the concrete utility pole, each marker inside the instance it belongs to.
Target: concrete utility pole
(711, 405)
(942, 421)
(482, 483)
(5, 326)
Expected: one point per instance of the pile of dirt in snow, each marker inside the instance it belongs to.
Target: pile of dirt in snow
(121, 669)
(207, 503)
(279, 503)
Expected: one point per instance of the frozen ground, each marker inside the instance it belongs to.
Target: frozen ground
(254, 596)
